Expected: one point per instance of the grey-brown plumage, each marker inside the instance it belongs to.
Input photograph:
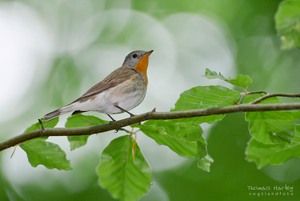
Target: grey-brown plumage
(51, 115)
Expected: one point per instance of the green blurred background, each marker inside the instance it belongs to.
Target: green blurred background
(52, 51)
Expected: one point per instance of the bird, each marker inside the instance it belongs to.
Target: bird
(122, 90)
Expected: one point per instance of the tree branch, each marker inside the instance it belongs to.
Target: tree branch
(274, 95)
(146, 116)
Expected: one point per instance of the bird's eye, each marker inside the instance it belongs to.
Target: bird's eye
(134, 55)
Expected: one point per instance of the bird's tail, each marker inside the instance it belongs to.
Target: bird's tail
(52, 115)
(68, 108)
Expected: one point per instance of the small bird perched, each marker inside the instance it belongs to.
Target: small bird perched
(122, 90)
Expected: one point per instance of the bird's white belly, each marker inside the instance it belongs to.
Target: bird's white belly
(124, 96)
(127, 101)
(105, 102)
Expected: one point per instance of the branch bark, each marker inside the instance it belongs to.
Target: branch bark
(146, 116)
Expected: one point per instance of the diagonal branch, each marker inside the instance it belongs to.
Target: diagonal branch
(146, 116)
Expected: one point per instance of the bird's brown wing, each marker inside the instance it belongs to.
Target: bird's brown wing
(115, 78)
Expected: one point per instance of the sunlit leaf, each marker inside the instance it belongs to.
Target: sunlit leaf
(126, 178)
(81, 121)
(203, 97)
(181, 137)
(240, 80)
(41, 152)
(288, 23)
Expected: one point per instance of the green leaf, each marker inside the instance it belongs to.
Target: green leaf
(37, 126)
(240, 80)
(271, 127)
(271, 154)
(126, 178)
(213, 75)
(41, 152)
(183, 138)
(77, 141)
(205, 163)
(275, 154)
(203, 97)
(81, 121)
(287, 21)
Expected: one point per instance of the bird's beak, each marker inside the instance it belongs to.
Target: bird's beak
(149, 52)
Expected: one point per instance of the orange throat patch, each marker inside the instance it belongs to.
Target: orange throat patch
(142, 66)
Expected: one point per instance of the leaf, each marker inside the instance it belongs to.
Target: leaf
(271, 154)
(77, 141)
(240, 80)
(37, 126)
(126, 178)
(287, 21)
(81, 121)
(213, 75)
(181, 137)
(271, 127)
(264, 153)
(203, 97)
(41, 152)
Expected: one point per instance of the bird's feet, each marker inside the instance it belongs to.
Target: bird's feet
(112, 119)
(123, 110)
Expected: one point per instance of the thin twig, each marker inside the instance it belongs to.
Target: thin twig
(147, 116)
(255, 92)
(258, 100)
